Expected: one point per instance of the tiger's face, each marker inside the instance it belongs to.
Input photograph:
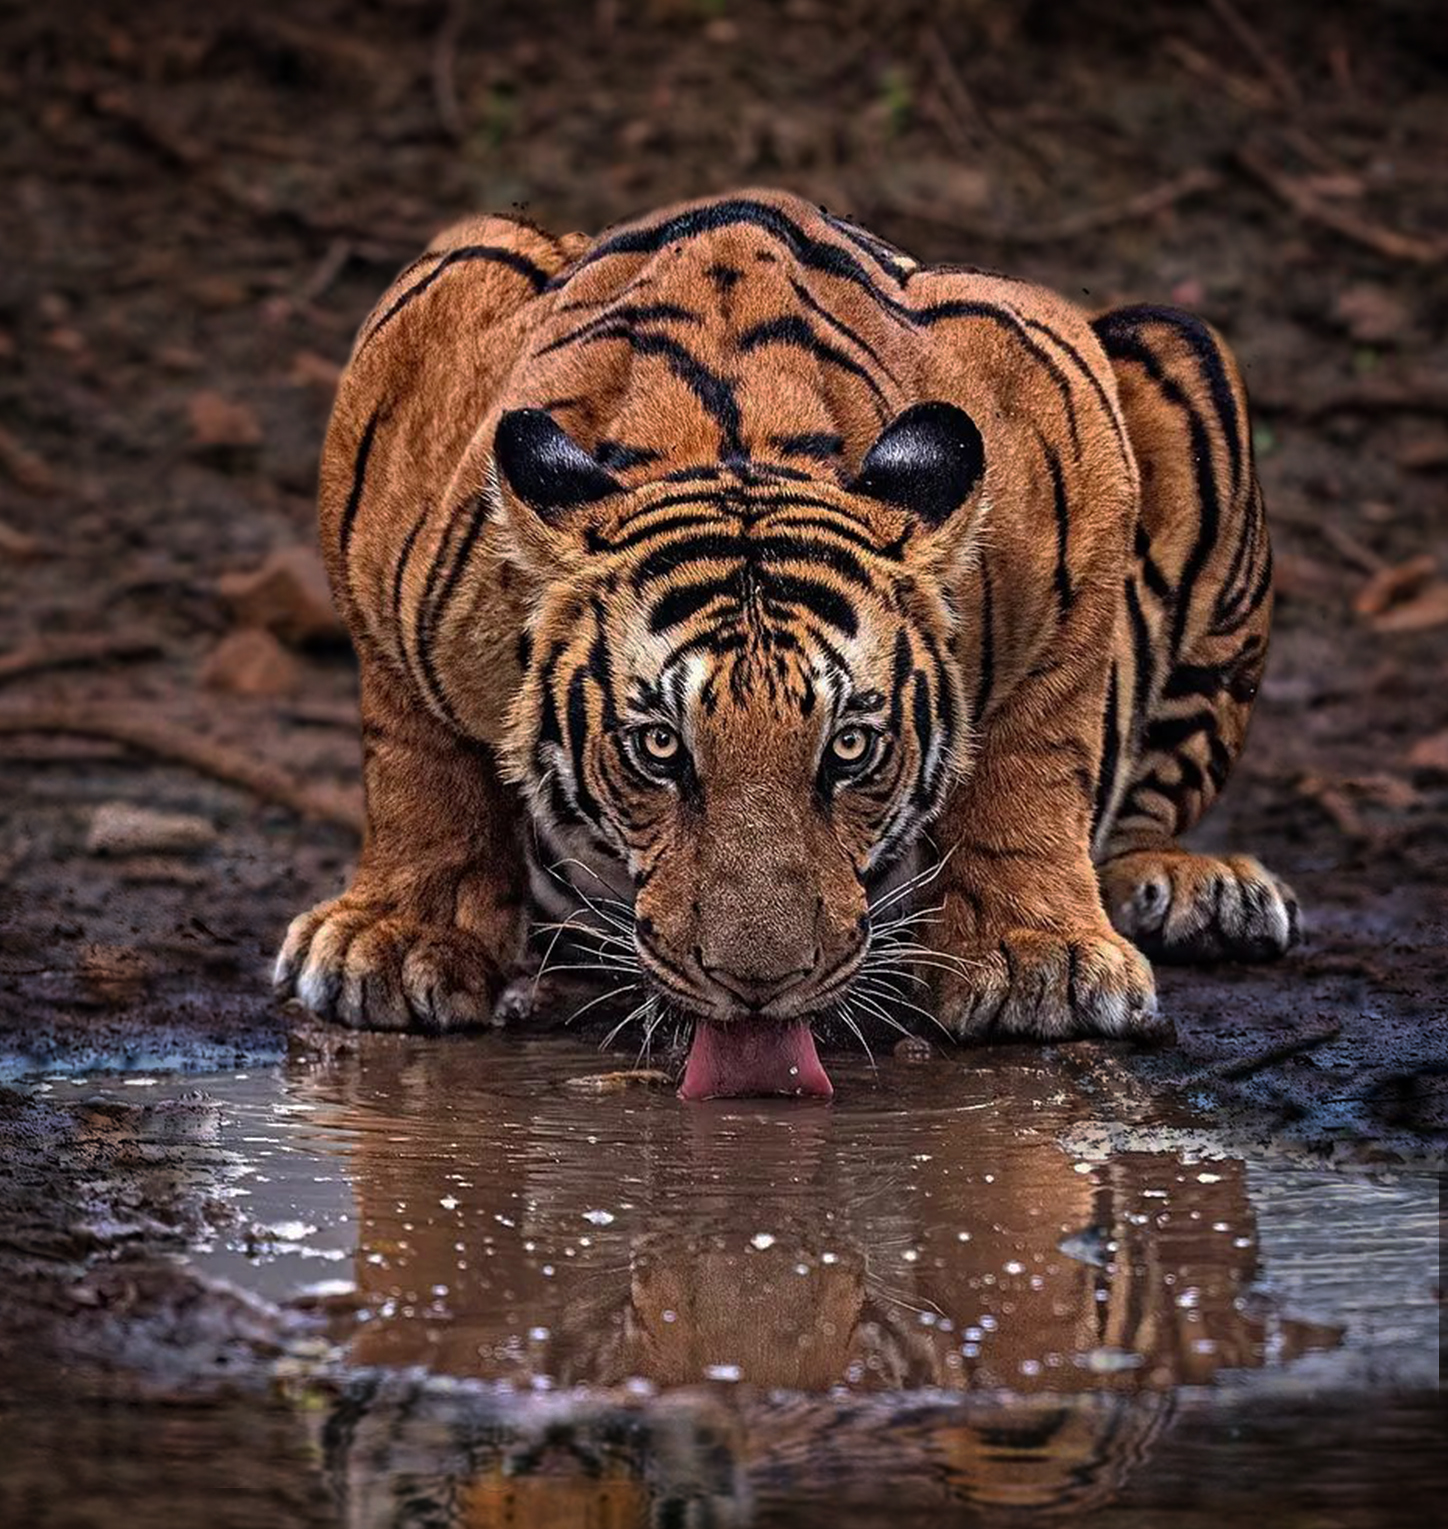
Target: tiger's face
(739, 685)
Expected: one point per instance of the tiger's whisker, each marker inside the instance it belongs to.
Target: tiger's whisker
(602, 997)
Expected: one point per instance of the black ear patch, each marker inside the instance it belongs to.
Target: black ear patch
(927, 460)
(545, 467)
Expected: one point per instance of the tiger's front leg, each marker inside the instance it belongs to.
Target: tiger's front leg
(1025, 943)
(432, 924)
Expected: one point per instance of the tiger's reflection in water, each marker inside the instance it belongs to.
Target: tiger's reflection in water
(917, 1305)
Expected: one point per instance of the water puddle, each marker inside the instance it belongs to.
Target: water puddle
(939, 1293)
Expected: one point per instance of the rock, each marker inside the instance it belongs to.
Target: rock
(121, 828)
(220, 423)
(251, 662)
(288, 595)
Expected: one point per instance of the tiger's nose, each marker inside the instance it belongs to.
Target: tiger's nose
(753, 990)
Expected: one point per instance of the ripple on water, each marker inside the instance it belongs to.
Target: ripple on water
(981, 1237)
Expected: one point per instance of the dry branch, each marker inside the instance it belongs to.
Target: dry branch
(74, 651)
(1308, 206)
(168, 740)
(1143, 205)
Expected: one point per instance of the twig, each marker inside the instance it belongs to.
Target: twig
(74, 651)
(1373, 236)
(1250, 93)
(339, 252)
(169, 741)
(1231, 1069)
(444, 71)
(1350, 549)
(26, 469)
(1410, 395)
(1144, 204)
(1246, 34)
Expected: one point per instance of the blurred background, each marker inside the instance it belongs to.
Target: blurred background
(200, 203)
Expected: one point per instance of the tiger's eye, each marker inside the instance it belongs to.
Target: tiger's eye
(661, 743)
(850, 745)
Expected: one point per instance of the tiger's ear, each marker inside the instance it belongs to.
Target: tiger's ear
(929, 461)
(545, 467)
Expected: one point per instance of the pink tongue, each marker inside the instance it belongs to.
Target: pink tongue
(753, 1056)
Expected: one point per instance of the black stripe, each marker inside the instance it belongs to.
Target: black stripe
(985, 681)
(771, 549)
(886, 256)
(1205, 347)
(398, 575)
(1142, 651)
(583, 797)
(1154, 578)
(600, 543)
(924, 789)
(1113, 415)
(549, 728)
(1125, 345)
(815, 254)
(359, 480)
(536, 275)
(715, 547)
(1065, 596)
(617, 457)
(680, 604)
(826, 603)
(790, 329)
(890, 551)
(1166, 734)
(626, 315)
(1110, 754)
(840, 327)
(1005, 318)
(478, 513)
(815, 444)
(721, 546)
(715, 393)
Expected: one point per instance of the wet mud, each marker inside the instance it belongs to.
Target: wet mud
(236, 1300)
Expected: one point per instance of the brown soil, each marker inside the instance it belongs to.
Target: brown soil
(202, 202)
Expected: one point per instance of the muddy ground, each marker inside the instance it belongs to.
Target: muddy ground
(200, 204)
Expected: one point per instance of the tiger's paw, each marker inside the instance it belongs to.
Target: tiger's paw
(1178, 906)
(1052, 986)
(363, 965)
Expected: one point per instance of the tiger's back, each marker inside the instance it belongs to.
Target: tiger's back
(1079, 615)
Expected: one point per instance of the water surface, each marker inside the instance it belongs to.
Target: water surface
(588, 1304)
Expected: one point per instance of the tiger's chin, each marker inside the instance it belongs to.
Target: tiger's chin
(751, 1056)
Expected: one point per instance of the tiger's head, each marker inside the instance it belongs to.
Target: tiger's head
(739, 683)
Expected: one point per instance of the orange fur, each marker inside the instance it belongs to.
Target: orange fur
(575, 490)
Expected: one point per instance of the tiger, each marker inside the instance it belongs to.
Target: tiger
(797, 618)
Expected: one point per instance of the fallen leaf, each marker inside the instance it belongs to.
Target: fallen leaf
(1371, 314)
(311, 370)
(251, 662)
(1425, 453)
(288, 595)
(1394, 585)
(24, 468)
(218, 421)
(1430, 753)
(1427, 610)
(21, 546)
